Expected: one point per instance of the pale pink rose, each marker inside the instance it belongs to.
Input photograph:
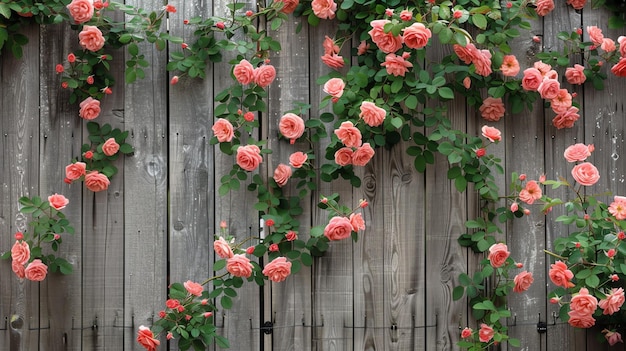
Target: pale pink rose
(249, 157)
(349, 135)
(577, 4)
(608, 45)
(612, 337)
(110, 147)
(329, 45)
(491, 133)
(146, 339)
(510, 66)
(20, 252)
(492, 109)
(357, 222)
(575, 75)
(560, 275)
(222, 248)
(562, 102)
(90, 38)
(406, 15)
(338, 228)
(532, 79)
(580, 320)
(613, 301)
(297, 159)
(81, 10)
(595, 35)
(362, 155)
(522, 281)
(396, 65)
(498, 253)
(363, 47)
(577, 152)
(324, 9)
(372, 114)
(193, 288)
(386, 42)
(583, 302)
(223, 130)
(278, 270)
(282, 173)
(291, 126)
(89, 108)
(416, 36)
(619, 69)
(264, 75)
(75, 170)
(36, 271)
(289, 5)
(485, 333)
(585, 174)
(239, 266)
(566, 119)
(343, 156)
(530, 193)
(18, 269)
(544, 7)
(333, 60)
(334, 87)
(466, 53)
(482, 62)
(618, 208)
(57, 201)
(96, 181)
(549, 88)
(244, 72)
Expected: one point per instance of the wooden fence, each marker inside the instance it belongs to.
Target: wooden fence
(391, 290)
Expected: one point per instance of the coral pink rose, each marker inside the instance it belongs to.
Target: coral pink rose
(334, 87)
(566, 119)
(585, 174)
(223, 130)
(362, 155)
(530, 193)
(549, 88)
(289, 5)
(18, 269)
(333, 60)
(291, 126)
(193, 288)
(57, 201)
(297, 159)
(324, 9)
(498, 253)
(239, 266)
(329, 45)
(510, 66)
(338, 228)
(467, 82)
(542, 67)
(249, 157)
(277, 270)
(618, 208)
(282, 173)
(522, 281)
(560, 275)
(349, 135)
(396, 65)
(264, 75)
(612, 337)
(371, 114)
(416, 36)
(36, 271)
(562, 102)
(362, 48)
(357, 222)
(608, 45)
(492, 109)
(244, 72)
(621, 40)
(580, 320)
(96, 181)
(110, 147)
(583, 302)
(532, 79)
(491, 133)
(595, 34)
(81, 10)
(222, 248)
(146, 339)
(544, 7)
(577, 152)
(485, 333)
(465, 53)
(386, 42)
(343, 156)
(619, 69)
(577, 4)
(89, 108)
(482, 62)
(172, 303)
(75, 170)
(613, 301)
(20, 252)
(406, 15)
(90, 38)
(466, 333)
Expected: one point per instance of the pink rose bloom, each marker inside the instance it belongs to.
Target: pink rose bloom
(357, 222)
(343, 156)
(363, 47)
(510, 66)
(146, 339)
(482, 62)
(289, 5)
(396, 65)
(580, 320)
(608, 45)
(81, 10)
(416, 36)
(249, 157)
(612, 337)
(110, 147)
(329, 46)
(20, 252)
(57, 201)
(282, 173)
(222, 248)
(613, 301)
(244, 72)
(338, 228)
(349, 135)
(585, 174)
(239, 266)
(362, 155)
(223, 130)
(406, 15)
(577, 4)
(334, 87)
(577, 152)
(291, 126)
(595, 34)
(324, 9)
(193, 288)
(36, 271)
(523, 280)
(542, 67)
(566, 119)
(386, 42)
(549, 88)
(618, 207)
(18, 269)
(90, 38)
(96, 181)
(562, 102)
(621, 40)
(333, 60)
(560, 275)
(530, 193)
(372, 114)
(485, 333)
(467, 82)
(544, 7)
(583, 302)
(297, 159)
(619, 69)
(89, 108)
(575, 75)
(264, 75)
(532, 79)
(491, 133)
(75, 170)
(466, 53)
(498, 253)
(492, 109)
(277, 270)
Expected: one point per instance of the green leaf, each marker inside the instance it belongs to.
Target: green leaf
(226, 302)
(5, 10)
(446, 93)
(479, 20)
(458, 292)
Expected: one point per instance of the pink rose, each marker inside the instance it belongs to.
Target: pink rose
(89, 108)
(239, 266)
(510, 66)
(20, 252)
(249, 157)
(595, 34)
(467, 82)
(193, 288)
(96, 181)
(362, 155)
(544, 7)
(81, 10)
(577, 152)
(406, 15)
(18, 269)
(90, 38)
(338, 228)
(560, 275)
(278, 270)
(585, 174)
(482, 62)
(618, 208)
(583, 302)
(498, 253)
(549, 88)
(324, 9)
(349, 135)
(577, 4)
(222, 248)
(542, 67)
(466, 53)
(333, 60)
(396, 65)
(57, 201)
(223, 130)
(297, 159)
(621, 40)
(530, 193)
(363, 47)
(612, 337)
(492, 109)
(485, 333)
(289, 5)
(36, 271)
(416, 36)
(532, 79)
(566, 119)
(357, 222)
(334, 87)
(580, 320)
(110, 147)
(146, 339)
(386, 42)
(613, 301)
(491, 133)
(619, 69)
(75, 170)
(608, 45)
(329, 45)
(282, 173)
(466, 333)
(244, 72)
(372, 114)
(291, 126)
(522, 281)
(562, 102)
(264, 75)
(343, 156)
